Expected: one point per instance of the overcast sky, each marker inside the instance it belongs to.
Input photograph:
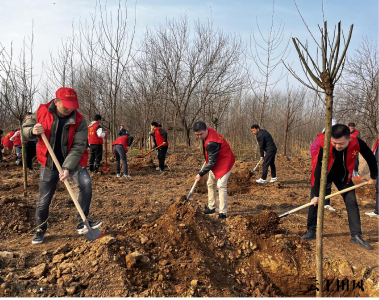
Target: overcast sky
(53, 19)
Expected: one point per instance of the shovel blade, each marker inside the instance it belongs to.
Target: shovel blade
(284, 215)
(93, 234)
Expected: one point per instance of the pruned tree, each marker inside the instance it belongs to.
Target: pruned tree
(322, 71)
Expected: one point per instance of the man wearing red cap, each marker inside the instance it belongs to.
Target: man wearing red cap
(66, 129)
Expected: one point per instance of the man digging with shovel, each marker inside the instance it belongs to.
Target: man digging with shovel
(343, 151)
(220, 160)
(66, 131)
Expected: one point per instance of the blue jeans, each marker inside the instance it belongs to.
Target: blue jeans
(120, 154)
(377, 197)
(47, 185)
(18, 152)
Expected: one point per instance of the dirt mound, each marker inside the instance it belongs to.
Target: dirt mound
(136, 163)
(16, 215)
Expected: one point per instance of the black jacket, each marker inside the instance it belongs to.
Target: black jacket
(213, 149)
(338, 172)
(266, 142)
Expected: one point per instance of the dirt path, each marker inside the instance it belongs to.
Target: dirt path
(157, 245)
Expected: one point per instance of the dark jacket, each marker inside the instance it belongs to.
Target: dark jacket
(338, 172)
(122, 132)
(213, 149)
(266, 142)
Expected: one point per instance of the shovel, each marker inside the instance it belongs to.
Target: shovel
(147, 153)
(252, 172)
(106, 169)
(193, 187)
(92, 234)
(327, 197)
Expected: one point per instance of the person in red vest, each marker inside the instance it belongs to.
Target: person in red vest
(220, 160)
(16, 139)
(95, 141)
(357, 134)
(375, 213)
(6, 142)
(67, 131)
(343, 150)
(1, 145)
(120, 149)
(160, 139)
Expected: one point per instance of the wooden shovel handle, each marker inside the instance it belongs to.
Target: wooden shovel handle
(193, 186)
(70, 191)
(330, 196)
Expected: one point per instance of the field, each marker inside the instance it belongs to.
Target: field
(157, 244)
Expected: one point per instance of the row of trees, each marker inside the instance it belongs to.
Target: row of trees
(179, 74)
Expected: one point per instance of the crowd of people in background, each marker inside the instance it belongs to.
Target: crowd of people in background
(70, 137)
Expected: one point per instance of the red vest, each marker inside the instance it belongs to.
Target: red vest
(6, 140)
(93, 138)
(46, 119)
(355, 133)
(352, 152)
(225, 159)
(158, 137)
(17, 140)
(122, 140)
(376, 145)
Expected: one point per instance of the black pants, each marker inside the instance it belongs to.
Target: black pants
(269, 161)
(47, 185)
(162, 156)
(30, 154)
(351, 207)
(96, 155)
(120, 154)
(356, 164)
(328, 192)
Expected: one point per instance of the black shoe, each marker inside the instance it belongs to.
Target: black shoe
(222, 216)
(208, 211)
(38, 237)
(82, 228)
(357, 239)
(310, 235)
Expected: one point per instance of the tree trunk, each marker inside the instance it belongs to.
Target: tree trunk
(323, 182)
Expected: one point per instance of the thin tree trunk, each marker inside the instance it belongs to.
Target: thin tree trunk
(323, 182)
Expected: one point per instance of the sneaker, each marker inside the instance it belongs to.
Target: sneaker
(222, 216)
(357, 239)
(82, 228)
(274, 179)
(118, 175)
(328, 207)
(209, 211)
(38, 237)
(158, 168)
(260, 180)
(127, 176)
(32, 171)
(310, 235)
(18, 162)
(371, 214)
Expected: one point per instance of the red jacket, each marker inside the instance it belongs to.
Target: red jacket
(6, 140)
(159, 139)
(352, 152)
(46, 119)
(93, 138)
(355, 133)
(17, 139)
(122, 140)
(225, 159)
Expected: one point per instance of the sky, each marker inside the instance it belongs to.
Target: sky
(54, 19)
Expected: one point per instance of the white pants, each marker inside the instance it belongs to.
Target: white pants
(221, 184)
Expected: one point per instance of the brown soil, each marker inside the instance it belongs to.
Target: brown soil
(158, 244)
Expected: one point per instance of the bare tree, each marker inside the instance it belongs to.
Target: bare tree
(359, 93)
(18, 88)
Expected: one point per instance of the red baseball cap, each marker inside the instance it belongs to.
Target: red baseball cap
(68, 97)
